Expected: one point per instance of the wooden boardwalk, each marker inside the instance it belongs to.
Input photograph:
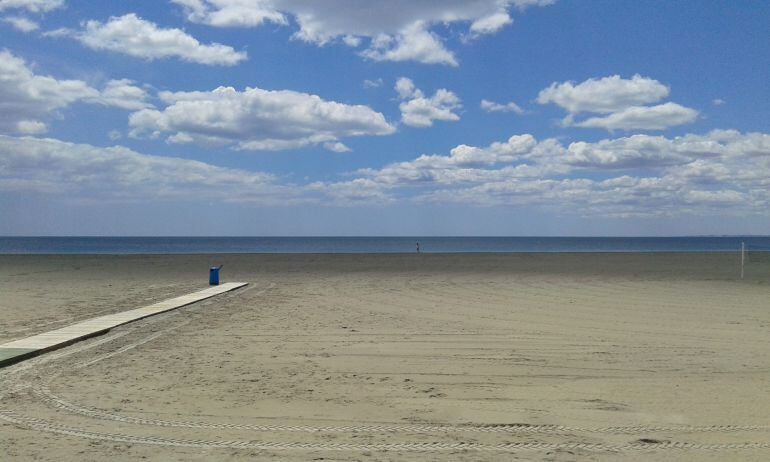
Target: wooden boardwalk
(19, 350)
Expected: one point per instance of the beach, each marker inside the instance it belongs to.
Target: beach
(563, 356)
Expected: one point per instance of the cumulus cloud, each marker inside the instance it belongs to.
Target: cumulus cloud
(521, 156)
(28, 99)
(235, 13)
(637, 151)
(85, 172)
(719, 172)
(134, 36)
(703, 153)
(397, 30)
(123, 94)
(417, 110)
(21, 24)
(257, 119)
(605, 95)
(491, 106)
(697, 174)
(657, 117)
(33, 6)
(624, 100)
(414, 43)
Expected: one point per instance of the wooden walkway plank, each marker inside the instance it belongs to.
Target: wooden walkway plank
(19, 350)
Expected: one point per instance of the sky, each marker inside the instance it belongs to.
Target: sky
(359, 117)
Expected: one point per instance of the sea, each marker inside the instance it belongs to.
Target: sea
(401, 244)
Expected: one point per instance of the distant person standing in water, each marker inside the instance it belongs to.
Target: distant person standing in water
(418, 247)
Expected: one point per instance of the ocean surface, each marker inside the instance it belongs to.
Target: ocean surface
(428, 244)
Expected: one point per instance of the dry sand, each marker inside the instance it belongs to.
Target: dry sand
(601, 356)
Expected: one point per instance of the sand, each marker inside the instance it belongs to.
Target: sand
(376, 357)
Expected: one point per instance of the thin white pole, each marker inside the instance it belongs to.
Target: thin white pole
(743, 256)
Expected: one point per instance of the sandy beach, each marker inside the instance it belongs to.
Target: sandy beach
(393, 357)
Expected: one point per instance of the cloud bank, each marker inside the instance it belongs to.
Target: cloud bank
(723, 171)
(88, 173)
(717, 173)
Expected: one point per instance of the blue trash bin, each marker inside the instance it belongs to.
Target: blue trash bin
(214, 275)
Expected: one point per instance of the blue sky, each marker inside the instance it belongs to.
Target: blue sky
(294, 117)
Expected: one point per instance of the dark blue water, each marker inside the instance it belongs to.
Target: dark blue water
(181, 245)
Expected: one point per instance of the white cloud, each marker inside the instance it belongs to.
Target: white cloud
(417, 110)
(406, 89)
(605, 95)
(638, 151)
(517, 148)
(27, 99)
(699, 154)
(137, 37)
(336, 146)
(33, 6)
(657, 117)
(376, 83)
(415, 43)
(524, 4)
(491, 106)
(490, 24)
(521, 155)
(256, 119)
(717, 102)
(622, 99)
(351, 41)
(719, 172)
(21, 24)
(235, 13)
(723, 197)
(355, 192)
(85, 172)
(692, 174)
(397, 30)
(123, 94)
(31, 127)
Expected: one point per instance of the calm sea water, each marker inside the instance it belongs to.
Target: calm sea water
(181, 245)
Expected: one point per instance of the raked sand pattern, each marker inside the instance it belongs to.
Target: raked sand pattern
(430, 357)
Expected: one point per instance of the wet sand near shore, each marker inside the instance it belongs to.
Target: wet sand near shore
(431, 357)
